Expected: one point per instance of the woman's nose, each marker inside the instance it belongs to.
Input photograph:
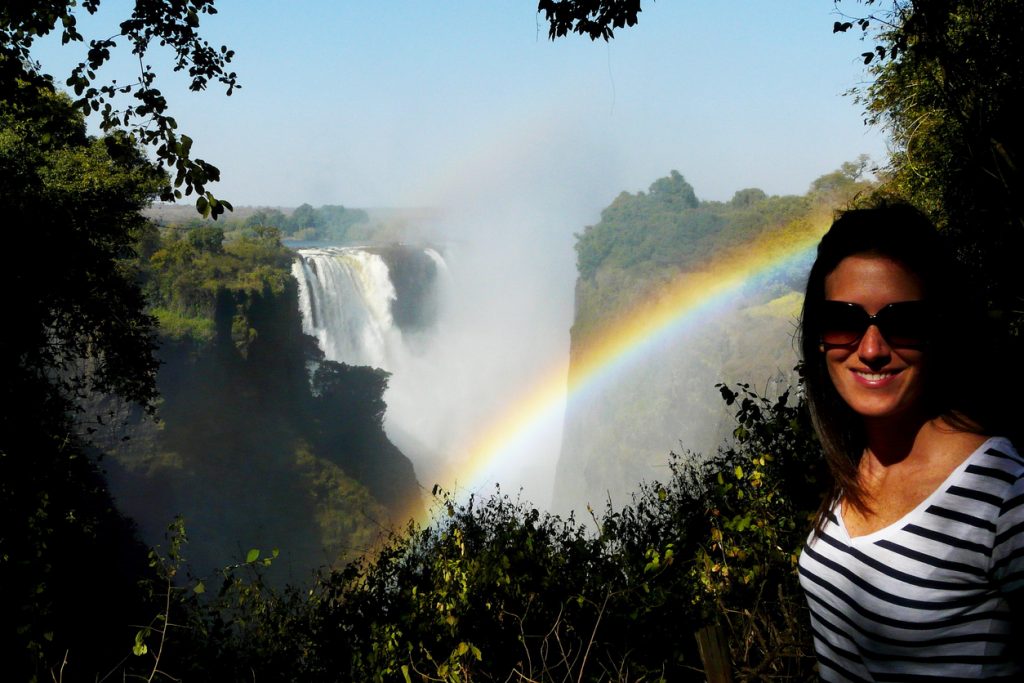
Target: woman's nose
(873, 347)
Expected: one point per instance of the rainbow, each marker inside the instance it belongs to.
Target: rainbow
(681, 304)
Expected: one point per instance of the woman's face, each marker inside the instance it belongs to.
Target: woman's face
(876, 378)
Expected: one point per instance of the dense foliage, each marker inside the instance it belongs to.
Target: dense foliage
(74, 200)
(325, 223)
(74, 325)
(185, 273)
(496, 590)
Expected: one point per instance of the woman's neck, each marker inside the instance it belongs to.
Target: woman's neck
(891, 440)
(902, 466)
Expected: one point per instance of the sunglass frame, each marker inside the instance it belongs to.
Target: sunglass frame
(916, 327)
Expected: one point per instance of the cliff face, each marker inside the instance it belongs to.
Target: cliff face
(646, 247)
(254, 456)
(623, 432)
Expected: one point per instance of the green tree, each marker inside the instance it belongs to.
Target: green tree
(208, 238)
(663, 225)
(336, 220)
(305, 216)
(74, 326)
(748, 197)
(271, 217)
(138, 106)
(673, 193)
(75, 199)
(355, 394)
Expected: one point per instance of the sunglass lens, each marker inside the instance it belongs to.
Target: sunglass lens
(842, 323)
(905, 324)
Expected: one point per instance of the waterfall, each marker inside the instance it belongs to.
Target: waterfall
(345, 295)
(463, 336)
(378, 306)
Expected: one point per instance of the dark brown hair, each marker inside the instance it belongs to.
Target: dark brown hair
(903, 234)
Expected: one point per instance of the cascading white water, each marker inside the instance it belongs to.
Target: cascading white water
(345, 296)
(463, 336)
(439, 262)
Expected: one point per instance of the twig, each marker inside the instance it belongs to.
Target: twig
(593, 636)
(60, 677)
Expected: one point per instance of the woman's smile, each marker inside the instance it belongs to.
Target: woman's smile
(875, 378)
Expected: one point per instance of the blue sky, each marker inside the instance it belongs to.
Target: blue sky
(408, 103)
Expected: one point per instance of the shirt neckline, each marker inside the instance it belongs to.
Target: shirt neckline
(917, 511)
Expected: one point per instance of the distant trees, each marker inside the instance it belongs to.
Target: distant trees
(748, 197)
(669, 227)
(634, 229)
(304, 217)
(673, 192)
(207, 238)
(190, 271)
(272, 217)
(328, 223)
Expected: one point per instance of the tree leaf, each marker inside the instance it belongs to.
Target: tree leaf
(140, 647)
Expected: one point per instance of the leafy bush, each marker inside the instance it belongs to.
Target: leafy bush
(497, 590)
(188, 272)
(178, 326)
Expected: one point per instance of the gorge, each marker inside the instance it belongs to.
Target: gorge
(314, 396)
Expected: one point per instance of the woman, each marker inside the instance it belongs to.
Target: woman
(915, 568)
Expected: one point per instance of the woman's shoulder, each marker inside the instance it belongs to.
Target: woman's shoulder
(1004, 464)
(954, 441)
(996, 468)
(1001, 451)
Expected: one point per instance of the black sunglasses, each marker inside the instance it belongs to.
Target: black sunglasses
(905, 323)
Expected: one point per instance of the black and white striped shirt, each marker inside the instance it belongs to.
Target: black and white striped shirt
(926, 597)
